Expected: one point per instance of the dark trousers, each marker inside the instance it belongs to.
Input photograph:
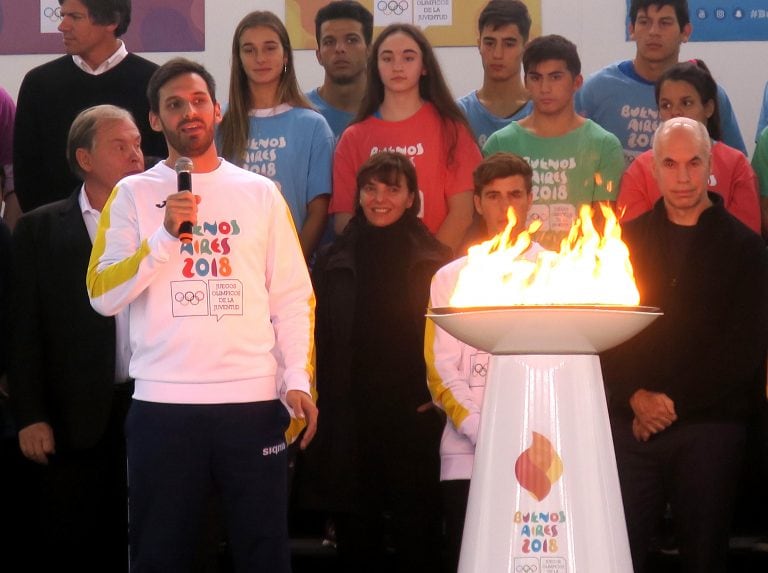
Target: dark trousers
(82, 517)
(455, 497)
(18, 488)
(179, 453)
(396, 524)
(405, 539)
(694, 467)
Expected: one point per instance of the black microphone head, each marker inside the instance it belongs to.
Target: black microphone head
(184, 164)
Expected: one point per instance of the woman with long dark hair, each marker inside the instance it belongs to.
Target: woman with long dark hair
(408, 108)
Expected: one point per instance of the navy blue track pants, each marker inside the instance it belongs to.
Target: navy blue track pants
(177, 453)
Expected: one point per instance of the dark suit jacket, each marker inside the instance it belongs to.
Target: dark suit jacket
(62, 365)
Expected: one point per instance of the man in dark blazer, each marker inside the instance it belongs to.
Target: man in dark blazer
(68, 367)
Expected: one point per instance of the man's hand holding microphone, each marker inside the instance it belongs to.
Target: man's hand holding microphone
(181, 207)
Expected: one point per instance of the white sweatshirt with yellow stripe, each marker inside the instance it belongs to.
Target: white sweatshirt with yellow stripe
(456, 375)
(226, 319)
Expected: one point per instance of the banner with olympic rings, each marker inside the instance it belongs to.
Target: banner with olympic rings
(445, 22)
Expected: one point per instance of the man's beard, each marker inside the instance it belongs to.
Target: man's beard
(187, 146)
(344, 79)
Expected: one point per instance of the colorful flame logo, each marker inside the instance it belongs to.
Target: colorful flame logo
(539, 467)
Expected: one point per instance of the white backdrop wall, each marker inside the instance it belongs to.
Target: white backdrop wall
(596, 26)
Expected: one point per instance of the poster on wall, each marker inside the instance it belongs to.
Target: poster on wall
(31, 26)
(445, 22)
(726, 20)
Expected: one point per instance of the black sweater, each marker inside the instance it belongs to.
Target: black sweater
(49, 99)
(708, 350)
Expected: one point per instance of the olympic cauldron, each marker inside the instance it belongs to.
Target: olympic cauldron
(544, 495)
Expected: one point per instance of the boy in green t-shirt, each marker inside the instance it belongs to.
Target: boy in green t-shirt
(574, 160)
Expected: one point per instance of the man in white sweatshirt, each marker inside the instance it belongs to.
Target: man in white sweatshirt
(457, 372)
(221, 331)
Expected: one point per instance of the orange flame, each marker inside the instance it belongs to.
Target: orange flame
(589, 269)
(539, 467)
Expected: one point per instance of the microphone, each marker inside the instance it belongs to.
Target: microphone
(183, 169)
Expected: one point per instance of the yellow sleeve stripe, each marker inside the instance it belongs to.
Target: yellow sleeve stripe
(115, 275)
(297, 425)
(295, 428)
(441, 394)
(310, 364)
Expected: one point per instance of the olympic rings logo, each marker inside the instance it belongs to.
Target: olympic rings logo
(392, 7)
(53, 14)
(481, 370)
(526, 568)
(189, 297)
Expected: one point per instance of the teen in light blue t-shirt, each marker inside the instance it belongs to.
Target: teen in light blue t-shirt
(624, 103)
(293, 146)
(270, 128)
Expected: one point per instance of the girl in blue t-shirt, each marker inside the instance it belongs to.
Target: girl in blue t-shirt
(270, 128)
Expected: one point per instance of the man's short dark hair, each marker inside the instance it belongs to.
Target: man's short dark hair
(106, 12)
(680, 6)
(500, 166)
(498, 13)
(172, 69)
(551, 47)
(348, 10)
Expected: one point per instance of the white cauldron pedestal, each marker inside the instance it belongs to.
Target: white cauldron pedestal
(545, 495)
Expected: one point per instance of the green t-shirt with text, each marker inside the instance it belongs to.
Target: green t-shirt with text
(582, 166)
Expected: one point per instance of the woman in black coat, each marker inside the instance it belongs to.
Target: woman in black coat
(375, 460)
